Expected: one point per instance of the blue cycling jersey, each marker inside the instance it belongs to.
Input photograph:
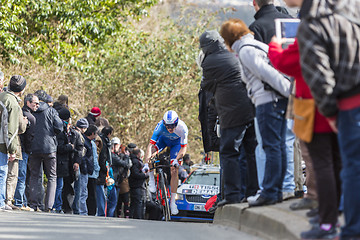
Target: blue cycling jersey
(181, 131)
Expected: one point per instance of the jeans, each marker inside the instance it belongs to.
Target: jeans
(58, 193)
(289, 181)
(349, 137)
(272, 125)
(259, 155)
(3, 176)
(83, 181)
(230, 149)
(20, 197)
(76, 202)
(111, 202)
(100, 200)
(137, 203)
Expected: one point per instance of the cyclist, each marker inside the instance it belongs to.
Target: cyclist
(169, 132)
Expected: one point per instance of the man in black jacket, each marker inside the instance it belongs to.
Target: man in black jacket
(31, 105)
(264, 24)
(136, 182)
(104, 156)
(222, 76)
(43, 151)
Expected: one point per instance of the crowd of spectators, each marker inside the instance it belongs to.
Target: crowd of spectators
(309, 87)
(88, 170)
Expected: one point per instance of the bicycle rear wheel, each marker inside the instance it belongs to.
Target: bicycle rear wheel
(165, 199)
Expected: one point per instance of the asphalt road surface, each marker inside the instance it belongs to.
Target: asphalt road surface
(27, 225)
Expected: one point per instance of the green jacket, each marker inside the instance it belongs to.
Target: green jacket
(11, 102)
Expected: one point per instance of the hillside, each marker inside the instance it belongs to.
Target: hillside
(141, 67)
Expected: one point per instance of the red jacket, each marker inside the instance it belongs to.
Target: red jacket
(288, 62)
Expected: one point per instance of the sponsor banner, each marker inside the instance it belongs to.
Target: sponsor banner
(195, 189)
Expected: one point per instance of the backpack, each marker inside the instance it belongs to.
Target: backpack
(4, 128)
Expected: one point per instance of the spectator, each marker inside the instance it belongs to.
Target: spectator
(329, 43)
(264, 29)
(187, 163)
(94, 118)
(81, 126)
(264, 25)
(121, 165)
(63, 101)
(323, 148)
(13, 166)
(91, 200)
(86, 168)
(136, 183)
(43, 151)
(9, 141)
(270, 103)
(104, 157)
(222, 77)
(31, 104)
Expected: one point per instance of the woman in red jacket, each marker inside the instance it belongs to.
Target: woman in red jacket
(323, 148)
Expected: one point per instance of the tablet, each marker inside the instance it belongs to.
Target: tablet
(286, 28)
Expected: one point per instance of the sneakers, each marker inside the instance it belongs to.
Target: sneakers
(5, 208)
(252, 199)
(317, 232)
(287, 195)
(260, 201)
(305, 203)
(173, 209)
(27, 208)
(13, 207)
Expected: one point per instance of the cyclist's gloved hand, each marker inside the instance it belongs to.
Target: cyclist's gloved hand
(146, 168)
(174, 162)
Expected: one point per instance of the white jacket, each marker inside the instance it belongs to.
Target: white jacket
(255, 69)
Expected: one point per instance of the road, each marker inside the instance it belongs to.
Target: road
(26, 225)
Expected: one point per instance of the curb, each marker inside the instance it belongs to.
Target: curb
(269, 222)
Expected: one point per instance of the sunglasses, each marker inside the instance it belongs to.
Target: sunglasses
(170, 126)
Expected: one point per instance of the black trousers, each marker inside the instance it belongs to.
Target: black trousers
(137, 203)
(325, 156)
(91, 200)
(231, 142)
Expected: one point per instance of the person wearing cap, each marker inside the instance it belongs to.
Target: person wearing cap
(86, 167)
(94, 118)
(43, 153)
(104, 158)
(9, 140)
(222, 76)
(69, 153)
(80, 128)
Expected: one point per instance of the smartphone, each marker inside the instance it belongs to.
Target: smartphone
(286, 28)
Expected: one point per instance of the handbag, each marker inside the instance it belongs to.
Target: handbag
(304, 117)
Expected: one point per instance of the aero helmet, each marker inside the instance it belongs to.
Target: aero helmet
(171, 118)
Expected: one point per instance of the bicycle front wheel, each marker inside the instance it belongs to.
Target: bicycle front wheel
(165, 199)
